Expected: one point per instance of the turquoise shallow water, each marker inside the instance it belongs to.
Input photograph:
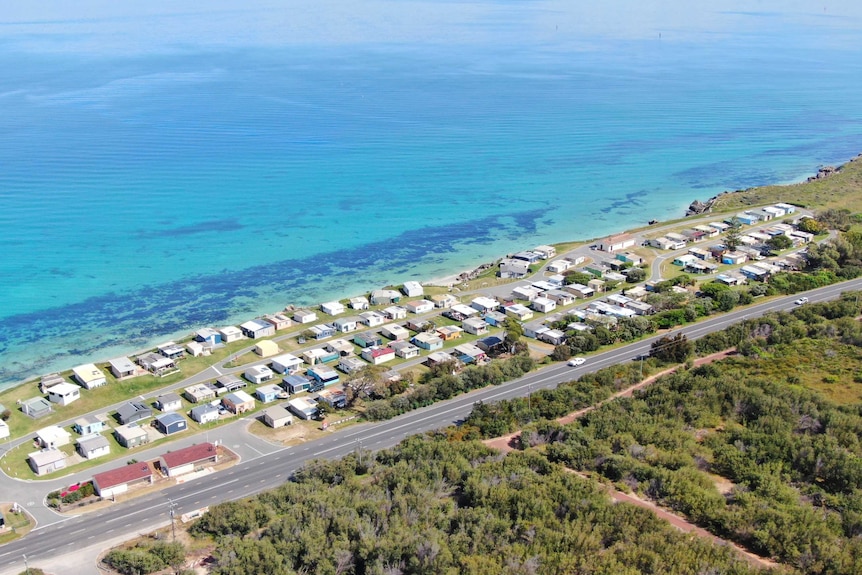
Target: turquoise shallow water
(151, 185)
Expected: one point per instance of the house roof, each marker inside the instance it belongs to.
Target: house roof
(94, 441)
(122, 475)
(204, 409)
(167, 419)
(238, 397)
(168, 398)
(51, 433)
(87, 372)
(64, 388)
(131, 408)
(46, 457)
(122, 364)
(191, 454)
(276, 412)
(130, 431)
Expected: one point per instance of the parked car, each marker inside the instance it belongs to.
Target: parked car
(801, 301)
(577, 361)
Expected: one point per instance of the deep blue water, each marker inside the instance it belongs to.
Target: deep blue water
(166, 169)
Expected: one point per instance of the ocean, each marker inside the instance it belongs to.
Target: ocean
(165, 167)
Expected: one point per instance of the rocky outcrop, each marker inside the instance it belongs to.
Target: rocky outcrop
(698, 207)
(823, 172)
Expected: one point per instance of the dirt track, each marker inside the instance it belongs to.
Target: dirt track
(506, 443)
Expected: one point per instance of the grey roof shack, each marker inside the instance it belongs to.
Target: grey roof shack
(132, 412)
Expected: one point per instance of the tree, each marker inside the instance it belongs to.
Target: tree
(672, 349)
(733, 234)
(636, 275)
(779, 243)
(578, 277)
(514, 331)
(811, 226)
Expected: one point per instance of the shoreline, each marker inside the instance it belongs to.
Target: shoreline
(447, 281)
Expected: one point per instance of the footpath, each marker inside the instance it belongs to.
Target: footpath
(508, 443)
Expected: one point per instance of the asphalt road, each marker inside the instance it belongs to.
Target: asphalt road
(50, 543)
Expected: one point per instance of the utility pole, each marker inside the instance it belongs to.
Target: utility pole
(173, 527)
(529, 397)
(26, 566)
(359, 450)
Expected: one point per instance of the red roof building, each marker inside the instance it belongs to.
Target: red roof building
(188, 459)
(109, 483)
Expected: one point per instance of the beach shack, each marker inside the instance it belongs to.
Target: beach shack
(122, 367)
(169, 402)
(296, 383)
(323, 375)
(206, 413)
(238, 402)
(268, 393)
(413, 289)
(304, 316)
(228, 383)
(92, 446)
(132, 435)
(258, 374)
(133, 412)
(64, 393)
(372, 318)
(303, 407)
(256, 328)
(332, 308)
(286, 363)
(278, 320)
(395, 332)
(230, 334)
(53, 436)
(88, 425)
(89, 376)
(351, 364)
(208, 336)
(428, 340)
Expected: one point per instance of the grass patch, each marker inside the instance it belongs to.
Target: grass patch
(841, 190)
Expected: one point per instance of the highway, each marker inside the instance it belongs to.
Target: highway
(124, 520)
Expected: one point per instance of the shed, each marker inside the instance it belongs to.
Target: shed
(170, 423)
(276, 416)
(116, 481)
(303, 316)
(46, 461)
(266, 348)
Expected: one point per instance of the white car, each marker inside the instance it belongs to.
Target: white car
(801, 301)
(576, 361)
